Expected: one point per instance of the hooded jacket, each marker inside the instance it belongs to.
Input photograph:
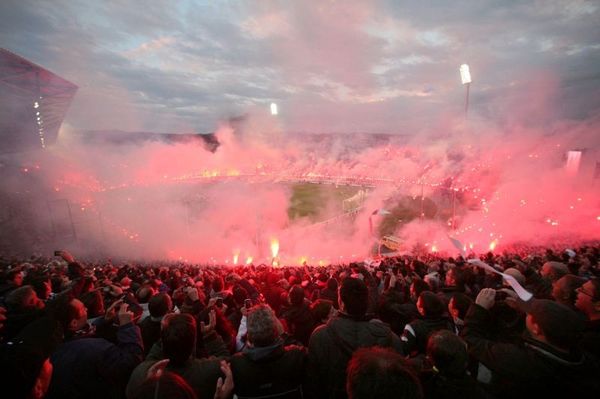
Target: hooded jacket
(531, 368)
(300, 322)
(331, 346)
(417, 332)
(200, 374)
(275, 371)
(94, 367)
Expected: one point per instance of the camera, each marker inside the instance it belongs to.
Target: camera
(134, 306)
(501, 295)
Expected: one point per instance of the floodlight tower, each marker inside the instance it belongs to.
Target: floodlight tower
(465, 77)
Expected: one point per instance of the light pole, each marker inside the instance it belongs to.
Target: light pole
(453, 209)
(422, 216)
(465, 77)
(381, 212)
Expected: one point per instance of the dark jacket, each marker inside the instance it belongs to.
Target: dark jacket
(395, 312)
(417, 332)
(530, 369)
(250, 289)
(437, 386)
(590, 341)
(331, 346)
(300, 322)
(18, 320)
(274, 371)
(330, 295)
(150, 332)
(272, 295)
(200, 374)
(94, 367)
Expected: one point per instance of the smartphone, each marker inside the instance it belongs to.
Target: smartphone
(56, 253)
(219, 303)
(501, 295)
(248, 303)
(133, 305)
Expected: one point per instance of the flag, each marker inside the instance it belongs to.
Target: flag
(514, 284)
(458, 246)
(376, 212)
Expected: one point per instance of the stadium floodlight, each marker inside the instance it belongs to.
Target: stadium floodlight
(274, 109)
(573, 161)
(465, 74)
(465, 77)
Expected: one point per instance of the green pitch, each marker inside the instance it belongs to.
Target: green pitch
(315, 201)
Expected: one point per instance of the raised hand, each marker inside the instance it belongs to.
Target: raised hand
(212, 322)
(124, 315)
(224, 388)
(486, 298)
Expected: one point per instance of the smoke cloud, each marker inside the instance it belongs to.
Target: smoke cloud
(180, 201)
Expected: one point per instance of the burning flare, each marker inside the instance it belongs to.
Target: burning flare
(274, 247)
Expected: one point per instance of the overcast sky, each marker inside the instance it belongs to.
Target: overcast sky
(332, 66)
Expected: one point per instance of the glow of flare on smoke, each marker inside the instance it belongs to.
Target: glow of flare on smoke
(274, 247)
(236, 255)
(249, 260)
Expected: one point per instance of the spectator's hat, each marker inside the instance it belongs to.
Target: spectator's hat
(556, 266)
(511, 271)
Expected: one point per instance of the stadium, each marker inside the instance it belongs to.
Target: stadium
(289, 200)
(342, 193)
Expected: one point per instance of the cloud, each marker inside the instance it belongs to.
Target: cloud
(188, 65)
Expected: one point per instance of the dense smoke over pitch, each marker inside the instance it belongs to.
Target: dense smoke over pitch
(134, 201)
(373, 67)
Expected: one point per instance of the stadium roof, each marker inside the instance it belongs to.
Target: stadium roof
(33, 104)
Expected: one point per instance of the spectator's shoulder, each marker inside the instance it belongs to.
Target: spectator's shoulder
(85, 345)
(378, 327)
(295, 348)
(210, 363)
(138, 376)
(319, 335)
(322, 329)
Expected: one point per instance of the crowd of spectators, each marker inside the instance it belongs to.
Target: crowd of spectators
(411, 326)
